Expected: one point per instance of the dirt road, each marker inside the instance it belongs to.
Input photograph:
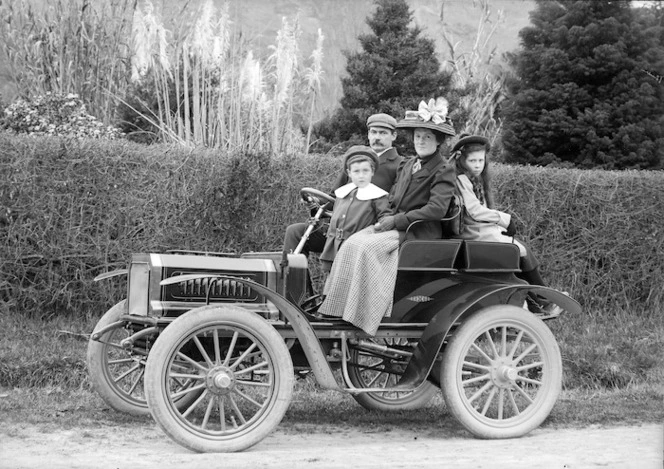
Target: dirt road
(145, 446)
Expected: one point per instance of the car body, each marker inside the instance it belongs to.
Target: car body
(208, 343)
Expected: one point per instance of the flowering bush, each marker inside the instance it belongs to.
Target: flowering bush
(55, 114)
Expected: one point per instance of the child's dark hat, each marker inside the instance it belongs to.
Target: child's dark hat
(360, 152)
(468, 139)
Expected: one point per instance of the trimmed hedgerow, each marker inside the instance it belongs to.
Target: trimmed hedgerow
(72, 209)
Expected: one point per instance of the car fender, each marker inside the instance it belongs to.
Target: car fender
(112, 273)
(305, 333)
(461, 300)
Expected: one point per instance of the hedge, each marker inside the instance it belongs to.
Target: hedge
(72, 209)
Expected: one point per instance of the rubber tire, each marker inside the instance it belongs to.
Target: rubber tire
(456, 352)
(376, 401)
(100, 374)
(175, 336)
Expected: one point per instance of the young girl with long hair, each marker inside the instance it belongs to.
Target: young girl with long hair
(484, 223)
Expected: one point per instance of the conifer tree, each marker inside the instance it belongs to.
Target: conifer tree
(395, 69)
(586, 92)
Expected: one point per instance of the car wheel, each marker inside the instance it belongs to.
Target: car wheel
(243, 381)
(501, 372)
(373, 368)
(115, 374)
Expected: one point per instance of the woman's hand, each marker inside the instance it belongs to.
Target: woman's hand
(386, 224)
(511, 228)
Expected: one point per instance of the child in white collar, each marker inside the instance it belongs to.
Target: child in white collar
(358, 204)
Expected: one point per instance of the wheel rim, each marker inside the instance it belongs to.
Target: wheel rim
(369, 369)
(503, 374)
(230, 381)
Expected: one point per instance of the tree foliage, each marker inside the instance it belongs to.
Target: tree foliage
(588, 90)
(395, 69)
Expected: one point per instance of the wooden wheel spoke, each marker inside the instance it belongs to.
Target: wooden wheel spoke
(503, 341)
(186, 376)
(247, 398)
(244, 355)
(477, 366)
(183, 392)
(127, 373)
(136, 381)
(489, 399)
(264, 364)
(190, 361)
(524, 394)
(204, 353)
(195, 404)
(477, 379)
(525, 353)
(530, 366)
(529, 380)
(231, 348)
(217, 351)
(208, 412)
(222, 413)
(480, 391)
(259, 384)
(516, 343)
(491, 343)
(237, 411)
(481, 352)
(510, 396)
(501, 400)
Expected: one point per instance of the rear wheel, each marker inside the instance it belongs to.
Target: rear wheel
(243, 381)
(115, 373)
(371, 367)
(501, 372)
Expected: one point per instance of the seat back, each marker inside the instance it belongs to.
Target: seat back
(429, 254)
(484, 256)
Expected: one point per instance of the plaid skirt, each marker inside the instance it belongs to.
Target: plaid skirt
(360, 287)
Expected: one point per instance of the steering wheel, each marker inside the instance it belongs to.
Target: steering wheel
(317, 198)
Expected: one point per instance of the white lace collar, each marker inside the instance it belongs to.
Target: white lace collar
(369, 192)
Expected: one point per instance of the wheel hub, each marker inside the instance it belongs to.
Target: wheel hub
(504, 374)
(220, 380)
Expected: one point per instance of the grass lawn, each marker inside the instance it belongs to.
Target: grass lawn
(613, 376)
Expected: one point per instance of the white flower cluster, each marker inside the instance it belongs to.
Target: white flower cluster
(56, 114)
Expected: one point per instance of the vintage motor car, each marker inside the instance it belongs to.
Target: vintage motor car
(210, 343)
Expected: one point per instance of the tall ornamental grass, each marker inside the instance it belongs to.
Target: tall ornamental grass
(69, 46)
(212, 91)
(481, 88)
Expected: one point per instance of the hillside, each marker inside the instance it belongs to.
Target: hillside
(341, 21)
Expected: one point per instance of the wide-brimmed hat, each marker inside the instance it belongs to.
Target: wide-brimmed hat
(382, 120)
(468, 139)
(360, 152)
(431, 115)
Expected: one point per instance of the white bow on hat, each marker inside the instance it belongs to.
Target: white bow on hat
(435, 110)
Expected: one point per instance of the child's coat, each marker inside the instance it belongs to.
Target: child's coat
(354, 209)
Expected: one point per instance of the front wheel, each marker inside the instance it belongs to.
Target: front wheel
(501, 372)
(243, 381)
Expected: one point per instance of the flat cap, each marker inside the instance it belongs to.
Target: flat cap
(382, 120)
(360, 153)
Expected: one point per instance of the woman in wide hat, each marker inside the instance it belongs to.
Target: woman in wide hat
(360, 287)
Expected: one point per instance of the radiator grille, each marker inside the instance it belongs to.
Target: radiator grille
(219, 289)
